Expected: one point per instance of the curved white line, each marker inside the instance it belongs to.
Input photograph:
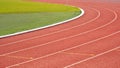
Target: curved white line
(26, 31)
(74, 46)
(92, 57)
(55, 31)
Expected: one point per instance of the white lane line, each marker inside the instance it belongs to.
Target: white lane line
(63, 50)
(67, 48)
(98, 55)
(65, 37)
(56, 31)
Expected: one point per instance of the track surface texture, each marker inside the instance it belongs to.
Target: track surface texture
(91, 41)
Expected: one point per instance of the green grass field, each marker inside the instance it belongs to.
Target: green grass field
(19, 15)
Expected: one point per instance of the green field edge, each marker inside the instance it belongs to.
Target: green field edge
(74, 9)
(39, 28)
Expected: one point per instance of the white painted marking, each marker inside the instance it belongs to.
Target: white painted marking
(98, 55)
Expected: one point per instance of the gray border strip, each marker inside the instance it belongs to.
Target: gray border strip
(26, 31)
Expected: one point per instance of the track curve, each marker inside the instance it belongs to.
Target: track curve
(68, 45)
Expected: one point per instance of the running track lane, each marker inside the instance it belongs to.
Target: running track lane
(113, 30)
(108, 59)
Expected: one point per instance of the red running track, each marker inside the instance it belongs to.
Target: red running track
(91, 41)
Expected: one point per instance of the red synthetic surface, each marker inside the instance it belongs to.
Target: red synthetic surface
(92, 41)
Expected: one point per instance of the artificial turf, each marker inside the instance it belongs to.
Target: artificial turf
(19, 15)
